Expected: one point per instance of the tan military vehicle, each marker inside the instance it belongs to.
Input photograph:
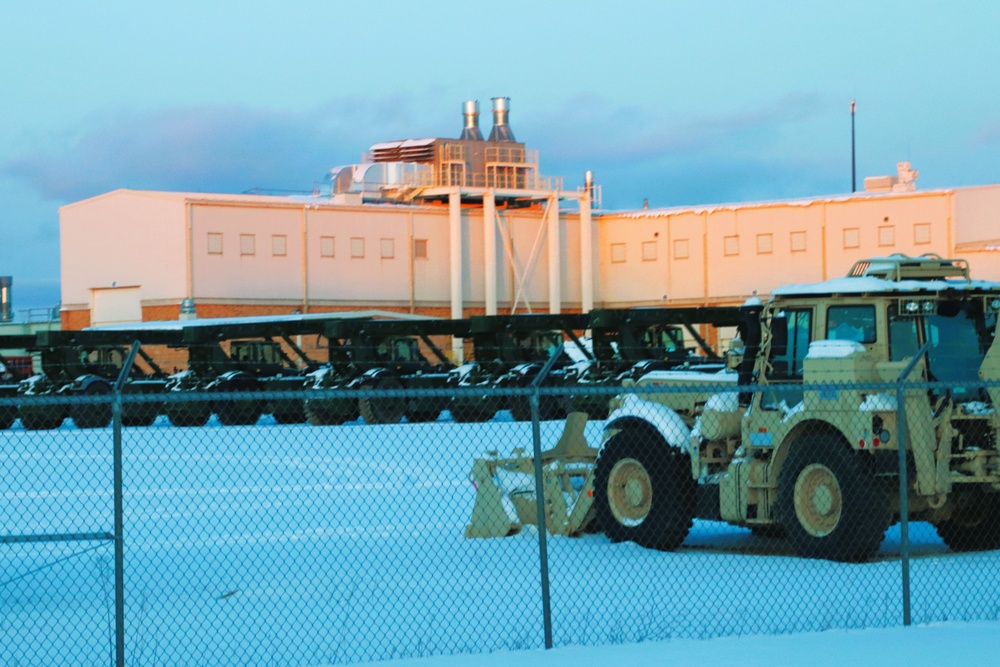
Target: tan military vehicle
(806, 441)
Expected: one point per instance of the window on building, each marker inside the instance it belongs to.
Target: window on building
(682, 249)
(247, 244)
(326, 246)
(617, 253)
(730, 245)
(887, 235)
(420, 248)
(649, 251)
(357, 247)
(387, 248)
(214, 243)
(798, 241)
(922, 233)
(279, 245)
(852, 238)
(765, 244)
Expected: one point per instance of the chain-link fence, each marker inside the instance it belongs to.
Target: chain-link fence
(697, 511)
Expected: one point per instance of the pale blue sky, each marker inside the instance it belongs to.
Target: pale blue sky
(677, 102)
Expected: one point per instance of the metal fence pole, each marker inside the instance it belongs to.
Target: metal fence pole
(904, 521)
(116, 415)
(543, 547)
(904, 503)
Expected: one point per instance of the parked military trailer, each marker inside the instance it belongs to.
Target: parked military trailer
(629, 343)
(388, 356)
(79, 363)
(13, 347)
(509, 351)
(801, 444)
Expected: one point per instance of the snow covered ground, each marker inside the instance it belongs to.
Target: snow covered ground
(915, 646)
(299, 545)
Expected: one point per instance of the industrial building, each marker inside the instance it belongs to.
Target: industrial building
(454, 227)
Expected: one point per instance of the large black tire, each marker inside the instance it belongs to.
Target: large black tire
(329, 412)
(8, 413)
(830, 503)
(975, 523)
(549, 407)
(238, 411)
(140, 414)
(92, 415)
(466, 413)
(185, 414)
(422, 416)
(42, 419)
(644, 492)
(383, 410)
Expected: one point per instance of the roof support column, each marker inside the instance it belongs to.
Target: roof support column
(455, 254)
(490, 250)
(586, 254)
(555, 250)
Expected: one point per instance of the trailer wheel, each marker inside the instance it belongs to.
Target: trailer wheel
(325, 412)
(549, 407)
(41, 418)
(185, 414)
(468, 414)
(92, 415)
(238, 411)
(644, 492)
(383, 410)
(829, 503)
(974, 525)
(422, 416)
(8, 413)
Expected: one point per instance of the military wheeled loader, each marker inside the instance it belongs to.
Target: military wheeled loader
(801, 436)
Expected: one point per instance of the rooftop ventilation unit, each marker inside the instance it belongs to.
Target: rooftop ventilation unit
(501, 129)
(470, 111)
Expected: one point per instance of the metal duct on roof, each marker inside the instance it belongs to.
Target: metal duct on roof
(470, 111)
(6, 311)
(501, 112)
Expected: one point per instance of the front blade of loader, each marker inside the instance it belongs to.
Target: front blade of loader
(489, 516)
(567, 481)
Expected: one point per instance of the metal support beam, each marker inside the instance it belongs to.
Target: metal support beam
(586, 255)
(555, 254)
(490, 251)
(456, 257)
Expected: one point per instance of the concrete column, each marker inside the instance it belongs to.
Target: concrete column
(586, 255)
(490, 250)
(455, 255)
(555, 266)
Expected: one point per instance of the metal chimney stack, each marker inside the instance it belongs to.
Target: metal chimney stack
(6, 310)
(470, 110)
(501, 130)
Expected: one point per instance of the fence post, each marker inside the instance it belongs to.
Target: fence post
(116, 416)
(543, 546)
(904, 502)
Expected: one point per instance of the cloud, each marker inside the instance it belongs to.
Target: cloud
(591, 127)
(211, 148)
(988, 134)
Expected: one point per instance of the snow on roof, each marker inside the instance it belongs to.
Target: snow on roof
(734, 206)
(868, 284)
(178, 325)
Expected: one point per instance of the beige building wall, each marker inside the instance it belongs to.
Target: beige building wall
(123, 238)
(277, 254)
